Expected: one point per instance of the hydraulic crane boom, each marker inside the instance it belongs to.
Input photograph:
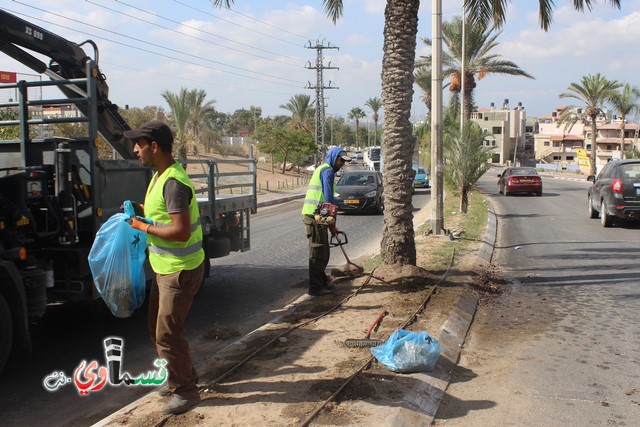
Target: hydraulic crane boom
(68, 61)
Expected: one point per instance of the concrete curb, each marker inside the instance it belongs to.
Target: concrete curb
(423, 401)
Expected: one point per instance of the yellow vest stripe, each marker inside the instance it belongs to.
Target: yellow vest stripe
(176, 251)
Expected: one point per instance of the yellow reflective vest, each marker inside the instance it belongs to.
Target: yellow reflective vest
(171, 256)
(314, 195)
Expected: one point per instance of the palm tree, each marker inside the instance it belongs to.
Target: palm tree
(201, 113)
(479, 61)
(467, 159)
(594, 91)
(625, 102)
(356, 114)
(180, 104)
(400, 29)
(302, 112)
(375, 104)
(422, 78)
(487, 11)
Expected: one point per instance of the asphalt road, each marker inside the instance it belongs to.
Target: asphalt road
(583, 368)
(245, 290)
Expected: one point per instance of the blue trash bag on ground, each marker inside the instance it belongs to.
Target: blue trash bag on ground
(408, 352)
(116, 260)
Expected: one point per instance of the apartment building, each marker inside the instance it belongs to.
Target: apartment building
(505, 132)
(569, 147)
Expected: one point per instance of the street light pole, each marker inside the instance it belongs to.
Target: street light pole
(437, 165)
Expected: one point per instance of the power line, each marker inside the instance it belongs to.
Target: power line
(208, 83)
(156, 45)
(266, 23)
(193, 28)
(246, 28)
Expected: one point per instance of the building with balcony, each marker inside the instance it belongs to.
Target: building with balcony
(570, 146)
(504, 131)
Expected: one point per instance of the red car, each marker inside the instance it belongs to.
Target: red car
(519, 180)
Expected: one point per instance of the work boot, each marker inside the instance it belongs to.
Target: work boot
(328, 284)
(164, 391)
(179, 404)
(320, 292)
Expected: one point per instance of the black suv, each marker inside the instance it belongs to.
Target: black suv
(615, 192)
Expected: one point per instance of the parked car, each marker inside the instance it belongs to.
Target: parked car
(519, 180)
(360, 191)
(421, 180)
(615, 192)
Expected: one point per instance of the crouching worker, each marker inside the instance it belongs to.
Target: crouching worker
(174, 236)
(321, 190)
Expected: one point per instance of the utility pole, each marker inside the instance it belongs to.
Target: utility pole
(437, 163)
(320, 87)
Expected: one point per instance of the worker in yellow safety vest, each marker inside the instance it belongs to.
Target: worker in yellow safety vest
(321, 190)
(175, 252)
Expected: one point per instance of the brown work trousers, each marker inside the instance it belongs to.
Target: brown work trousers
(318, 235)
(169, 304)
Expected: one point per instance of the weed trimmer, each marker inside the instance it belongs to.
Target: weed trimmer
(349, 269)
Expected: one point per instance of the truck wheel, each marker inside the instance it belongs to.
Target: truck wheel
(6, 332)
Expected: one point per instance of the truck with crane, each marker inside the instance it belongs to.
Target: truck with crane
(56, 192)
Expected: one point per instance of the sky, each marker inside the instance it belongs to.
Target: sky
(260, 52)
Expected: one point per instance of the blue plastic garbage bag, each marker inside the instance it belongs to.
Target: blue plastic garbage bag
(117, 260)
(407, 352)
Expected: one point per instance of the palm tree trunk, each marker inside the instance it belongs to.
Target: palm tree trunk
(375, 136)
(464, 200)
(622, 138)
(401, 26)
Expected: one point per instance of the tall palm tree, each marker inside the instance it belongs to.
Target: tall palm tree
(201, 113)
(487, 11)
(479, 61)
(594, 91)
(356, 114)
(625, 102)
(302, 112)
(375, 104)
(399, 50)
(180, 104)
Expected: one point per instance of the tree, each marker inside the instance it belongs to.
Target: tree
(283, 143)
(479, 61)
(356, 114)
(467, 159)
(594, 91)
(625, 102)
(375, 104)
(137, 116)
(486, 11)
(302, 112)
(199, 123)
(9, 132)
(422, 78)
(180, 106)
